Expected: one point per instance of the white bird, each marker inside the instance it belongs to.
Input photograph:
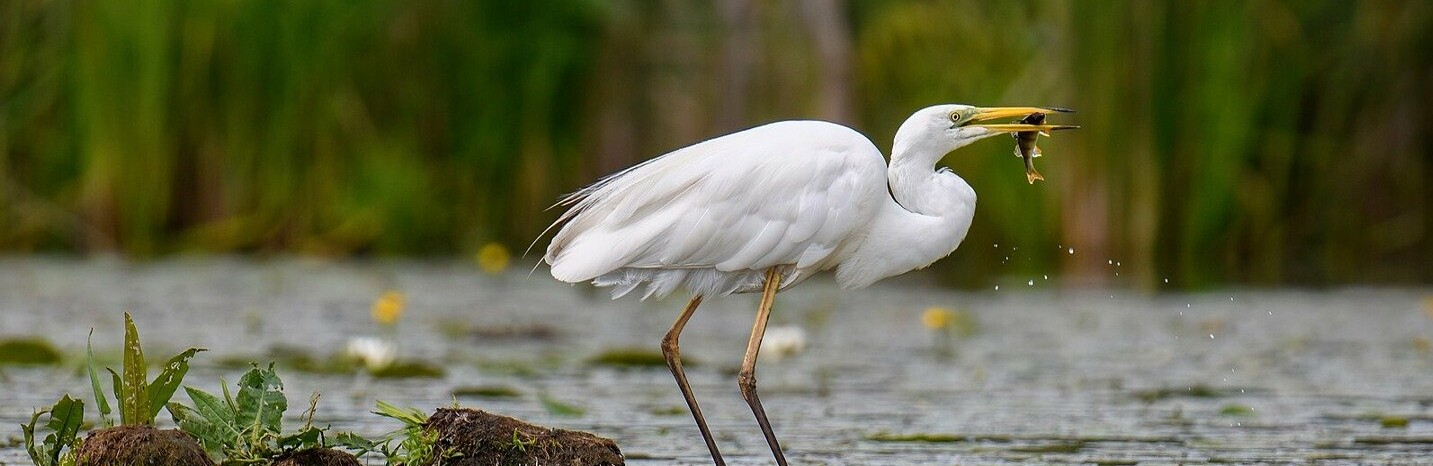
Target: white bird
(768, 207)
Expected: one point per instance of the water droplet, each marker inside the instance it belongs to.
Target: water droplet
(1117, 263)
(997, 287)
(1271, 312)
(1031, 282)
(997, 245)
(1047, 277)
(1231, 299)
(1186, 305)
(1110, 261)
(1211, 336)
(1166, 280)
(1071, 250)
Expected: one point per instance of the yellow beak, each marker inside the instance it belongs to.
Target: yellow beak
(1012, 112)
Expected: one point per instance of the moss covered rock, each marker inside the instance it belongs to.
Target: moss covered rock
(141, 446)
(318, 457)
(485, 439)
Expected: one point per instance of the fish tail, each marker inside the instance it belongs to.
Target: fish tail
(1031, 175)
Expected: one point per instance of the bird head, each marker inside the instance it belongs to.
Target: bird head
(944, 128)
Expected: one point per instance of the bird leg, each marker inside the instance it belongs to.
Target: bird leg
(746, 379)
(673, 353)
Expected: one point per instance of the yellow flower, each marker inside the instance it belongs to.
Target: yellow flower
(493, 258)
(388, 308)
(936, 318)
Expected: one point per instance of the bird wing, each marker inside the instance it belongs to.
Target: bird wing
(786, 193)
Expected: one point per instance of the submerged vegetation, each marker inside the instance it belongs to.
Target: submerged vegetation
(28, 351)
(1218, 136)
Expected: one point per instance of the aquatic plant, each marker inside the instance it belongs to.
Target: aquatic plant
(556, 407)
(783, 340)
(247, 428)
(373, 353)
(415, 445)
(139, 400)
(28, 351)
(58, 448)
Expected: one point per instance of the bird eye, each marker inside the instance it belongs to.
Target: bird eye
(955, 117)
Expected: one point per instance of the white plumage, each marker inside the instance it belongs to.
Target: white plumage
(803, 196)
(714, 216)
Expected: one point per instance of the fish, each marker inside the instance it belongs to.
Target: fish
(1025, 146)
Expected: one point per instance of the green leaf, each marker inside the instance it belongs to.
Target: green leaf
(100, 400)
(117, 383)
(352, 441)
(65, 419)
(261, 401)
(302, 439)
(217, 413)
(194, 423)
(134, 406)
(409, 416)
(228, 397)
(38, 454)
(163, 386)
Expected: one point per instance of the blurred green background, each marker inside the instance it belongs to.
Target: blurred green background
(1248, 142)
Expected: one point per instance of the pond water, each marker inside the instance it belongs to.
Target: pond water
(1042, 376)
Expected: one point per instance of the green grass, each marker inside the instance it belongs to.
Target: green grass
(1265, 142)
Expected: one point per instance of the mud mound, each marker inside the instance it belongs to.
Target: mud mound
(141, 446)
(485, 439)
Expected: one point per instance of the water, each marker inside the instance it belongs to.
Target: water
(1098, 376)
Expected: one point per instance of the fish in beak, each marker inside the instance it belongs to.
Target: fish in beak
(1026, 131)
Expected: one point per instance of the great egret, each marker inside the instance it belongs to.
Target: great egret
(766, 208)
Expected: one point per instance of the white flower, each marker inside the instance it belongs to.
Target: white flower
(375, 353)
(782, 341)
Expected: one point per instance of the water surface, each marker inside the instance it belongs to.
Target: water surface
(1048, 376)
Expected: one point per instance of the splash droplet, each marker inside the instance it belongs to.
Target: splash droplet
(1071, 250)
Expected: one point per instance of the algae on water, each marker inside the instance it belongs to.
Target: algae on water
(28, 351)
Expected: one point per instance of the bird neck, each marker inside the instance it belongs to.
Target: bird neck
(926, 220)
(918, 187)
